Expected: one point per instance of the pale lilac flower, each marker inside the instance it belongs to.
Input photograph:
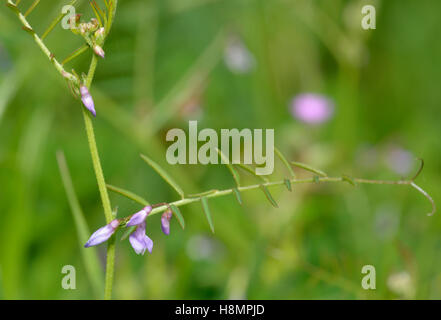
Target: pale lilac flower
(87, 100)
(165, 221)
(202, 247)
(400, 160)
(102, 234)
(312, 108)
(139, 217)
(139, 240)
(237, 57)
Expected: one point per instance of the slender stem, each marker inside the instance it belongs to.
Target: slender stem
(32, 7)
(101, 183)
(110, 267)
(219, 193)
(41, 44)
(94, 150)
(89, 131)
(75, 54)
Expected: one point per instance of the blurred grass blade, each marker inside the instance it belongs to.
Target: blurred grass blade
(269, 196)
(178, 215)
(128, 194)
(7, 90)
(309, 168)
(90, 257)
(164, 175)
(238, 196)
(287, 165)
(186, 87)
(207, 212)
(230, 167)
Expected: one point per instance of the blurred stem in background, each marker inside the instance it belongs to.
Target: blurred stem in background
(90, 257)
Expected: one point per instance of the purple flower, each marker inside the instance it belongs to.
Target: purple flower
(139, 217)
(312, 108)
(165, 221)
(87, 100)
(139, 240)
(102, 234)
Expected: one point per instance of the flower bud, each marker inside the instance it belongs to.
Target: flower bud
(102, 234)
(165, 221)
(87, 100)
(139, 217)
(98, 50)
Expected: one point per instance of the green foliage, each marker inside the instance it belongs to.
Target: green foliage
(164, 65)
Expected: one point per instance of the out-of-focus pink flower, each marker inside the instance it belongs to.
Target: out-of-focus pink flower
(399, 160)
(312, 108)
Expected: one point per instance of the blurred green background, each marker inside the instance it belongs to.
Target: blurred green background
(168, 62)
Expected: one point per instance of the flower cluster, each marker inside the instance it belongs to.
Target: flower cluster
(91, 32)
(94, 34)
(138, 238)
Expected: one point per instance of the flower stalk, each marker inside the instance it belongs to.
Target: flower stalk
(71, 78)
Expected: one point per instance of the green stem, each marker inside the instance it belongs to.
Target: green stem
(110, 267)
(94, 150)
(89, 131)
(316, 179)
(40, 43)
(101, 184)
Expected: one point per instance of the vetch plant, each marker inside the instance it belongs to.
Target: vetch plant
(94, 33)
